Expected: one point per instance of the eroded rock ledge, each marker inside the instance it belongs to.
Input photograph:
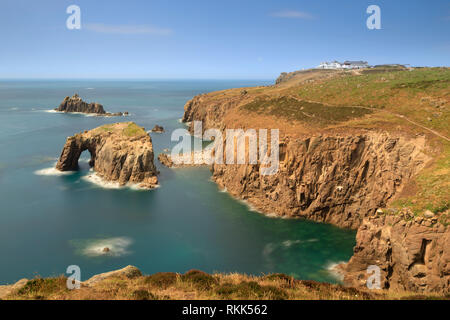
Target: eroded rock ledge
(413, 254)
(76, 104)
(121, 152)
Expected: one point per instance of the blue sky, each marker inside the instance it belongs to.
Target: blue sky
(245, 39)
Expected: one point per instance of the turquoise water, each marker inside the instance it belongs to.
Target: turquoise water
(48, 222)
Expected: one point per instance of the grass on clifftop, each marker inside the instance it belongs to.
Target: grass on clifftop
(304, 111)
(129, 129)
(432, 189)
(195, 285)
(422, 94)
(133, 130)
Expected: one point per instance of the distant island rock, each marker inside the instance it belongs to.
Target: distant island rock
(120, 152)
(158, 129)
(76, 104)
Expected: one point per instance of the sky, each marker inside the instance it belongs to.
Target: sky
(212, 39)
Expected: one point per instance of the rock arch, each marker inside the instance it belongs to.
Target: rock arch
(74, 147)
(122, 152)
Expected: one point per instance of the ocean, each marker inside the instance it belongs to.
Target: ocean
(49, 221)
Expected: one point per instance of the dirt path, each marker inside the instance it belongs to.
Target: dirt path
(419, 125)
(385, 111)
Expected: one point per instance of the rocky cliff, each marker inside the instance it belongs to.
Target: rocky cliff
(121, 152)
(336, 178)
(412, 253)
(340, 168)
(333, 179)
(76, 104)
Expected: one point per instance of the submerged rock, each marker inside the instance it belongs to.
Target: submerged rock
(121, 152)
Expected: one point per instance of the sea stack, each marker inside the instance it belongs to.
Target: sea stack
(120, 152)
(76, 104)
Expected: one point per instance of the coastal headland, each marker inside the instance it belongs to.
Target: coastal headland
(362, 149)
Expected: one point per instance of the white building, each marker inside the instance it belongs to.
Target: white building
(344, 65)
(330, 65)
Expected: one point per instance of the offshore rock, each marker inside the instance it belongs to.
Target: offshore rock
(121, 152)
(76, 104)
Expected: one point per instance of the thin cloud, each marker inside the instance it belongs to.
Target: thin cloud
(292, 14)
(127, 29)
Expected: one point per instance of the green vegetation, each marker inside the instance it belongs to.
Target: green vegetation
(106, 128)
(433, 188)
(161, 279)
(143, 295)
(199, 279)
(422, 95)
(197, 285)
(133, 130)
(38, 289)
(308, 112)
(373, 89)
(390, 98)
(251, 290)
(129, 129)
(384, 69)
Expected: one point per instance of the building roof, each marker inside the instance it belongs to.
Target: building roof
(355, 62)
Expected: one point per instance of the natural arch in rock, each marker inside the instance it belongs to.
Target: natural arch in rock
(121, 152)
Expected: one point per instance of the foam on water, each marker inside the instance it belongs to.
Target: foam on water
(95, 179)
(289, 243)
(118, 246)
(77, 113)
(334, 271)
(52, 171)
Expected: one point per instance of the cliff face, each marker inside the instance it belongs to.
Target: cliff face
(121, 152)
(338, 179)
(211, 113)
(343, 179)
(333, 179)
(413, 254)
